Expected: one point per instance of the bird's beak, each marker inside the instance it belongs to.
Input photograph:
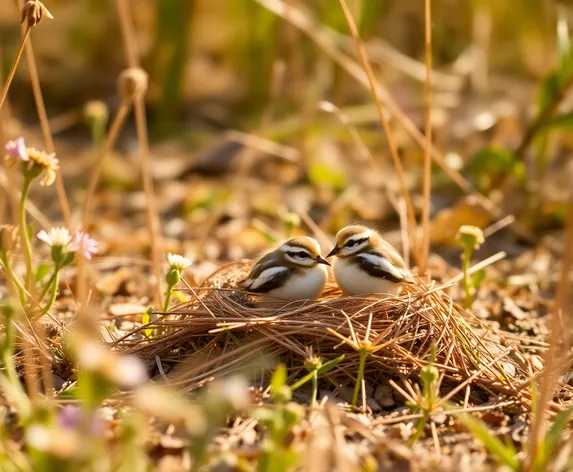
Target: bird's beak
(335, 250)
(322, 260)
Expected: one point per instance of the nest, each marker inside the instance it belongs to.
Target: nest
(223, 329)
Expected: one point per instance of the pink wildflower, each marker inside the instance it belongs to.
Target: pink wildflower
(84, 245)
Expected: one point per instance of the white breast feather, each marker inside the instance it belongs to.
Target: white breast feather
(354, 281)
(308, 285)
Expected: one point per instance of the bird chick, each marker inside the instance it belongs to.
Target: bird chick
(366, 264)
(294, 271)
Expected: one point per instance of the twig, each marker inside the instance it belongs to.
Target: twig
(322, 37)
(160, 368)
(14, 65)
(114, 129)
(480, 265)
(427, 183)
(152, 216)
(383, 118)
(44, 123)
(557, 339)
(111, 137)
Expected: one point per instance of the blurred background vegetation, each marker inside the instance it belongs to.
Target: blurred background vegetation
(221, 53)
(266, 67)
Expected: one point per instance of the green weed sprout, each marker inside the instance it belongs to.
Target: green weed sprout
(96, 113)
(364, 347)
(177, 264)
(277, 453)
(427, 400)
(470, 238)
(315, 367)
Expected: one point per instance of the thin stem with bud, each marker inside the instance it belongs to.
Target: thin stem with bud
(53, 284)
(26, 246)
(361, 365)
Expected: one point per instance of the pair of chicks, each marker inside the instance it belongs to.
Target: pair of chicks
(364, 264)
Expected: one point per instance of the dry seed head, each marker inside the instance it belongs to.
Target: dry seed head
(132, 83)
(33, 11)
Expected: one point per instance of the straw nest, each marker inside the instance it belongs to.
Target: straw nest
(223, 329)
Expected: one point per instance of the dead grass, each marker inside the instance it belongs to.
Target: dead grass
(402, 330)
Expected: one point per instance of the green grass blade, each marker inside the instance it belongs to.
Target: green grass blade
(504, 453)
(551, 439)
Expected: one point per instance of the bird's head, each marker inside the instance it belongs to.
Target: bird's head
(301, 251)
(352, 240)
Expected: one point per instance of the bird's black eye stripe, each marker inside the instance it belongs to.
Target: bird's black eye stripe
(300, 254)
(354, 242)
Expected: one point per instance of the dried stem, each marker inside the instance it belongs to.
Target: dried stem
(553, 355)
(114, 129)
(14, 66)
(44, 123)
(427, 185)
(152, 216)
(321, 36)
(383, 119)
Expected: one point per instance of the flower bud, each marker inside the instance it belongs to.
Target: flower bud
(313, 363)
(173, 277)
(470, 237)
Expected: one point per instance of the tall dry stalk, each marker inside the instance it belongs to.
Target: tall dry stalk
(32, 14)
(427, 184)
(110, 139)
(558, 346)
(131, 84)
(320, 35)
(43, 117)
(14, 66)
(153, 223)
(383, 120)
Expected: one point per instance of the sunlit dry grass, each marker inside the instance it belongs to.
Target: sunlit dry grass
(406, 326)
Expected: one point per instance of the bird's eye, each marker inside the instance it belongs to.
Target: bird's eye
(303, 255)
(350, 243)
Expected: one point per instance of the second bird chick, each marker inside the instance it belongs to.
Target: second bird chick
(294, 271)
(366, 264)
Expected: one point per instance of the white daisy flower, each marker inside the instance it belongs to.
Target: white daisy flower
(178, 262)
(56, 237)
